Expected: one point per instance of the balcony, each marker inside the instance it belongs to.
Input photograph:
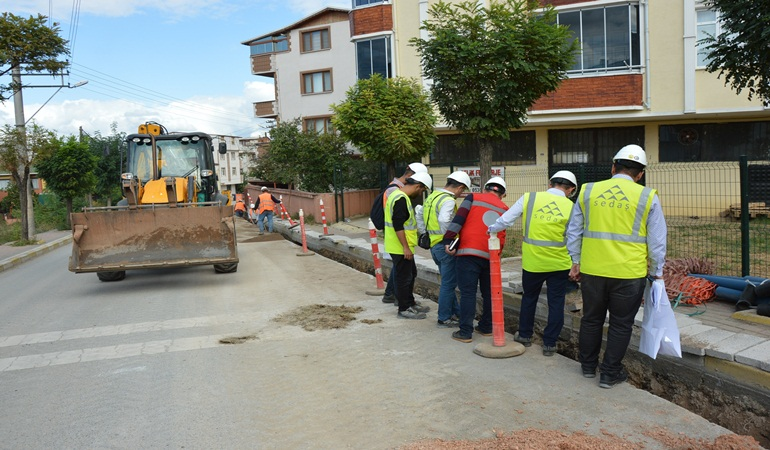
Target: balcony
(266, 110)
(262, 65)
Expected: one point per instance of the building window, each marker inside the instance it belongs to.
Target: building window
(272, 44)
(715, 141)
(224, 172)
(518, 150)
(317, 82)
(609, 38)
(707, 26)
(591, 145)
(233, 170)
(4, 184)
(318, 124)
(365, 2)
(373, 56)
(313, 41)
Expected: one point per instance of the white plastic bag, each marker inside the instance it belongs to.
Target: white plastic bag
(660, 334)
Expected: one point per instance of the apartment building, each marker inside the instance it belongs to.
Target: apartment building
(312, 63)
(639, 78)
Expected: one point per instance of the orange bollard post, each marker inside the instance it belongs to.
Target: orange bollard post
(323, 217)
(496, 284)
(498, 348)
(304, 251)
(376, 257)
(293, 223)
(280, 212)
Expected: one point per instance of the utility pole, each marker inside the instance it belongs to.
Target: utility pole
(18, 108)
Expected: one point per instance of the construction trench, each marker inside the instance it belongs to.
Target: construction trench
(726, 393)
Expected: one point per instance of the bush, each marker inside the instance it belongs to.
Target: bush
(9, 233)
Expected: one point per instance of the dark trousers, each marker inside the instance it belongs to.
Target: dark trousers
(473, 273)
(390, 288)
(532, 282)
(406, 272)
(622, 299)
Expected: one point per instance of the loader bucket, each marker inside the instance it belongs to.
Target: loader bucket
(119, 239)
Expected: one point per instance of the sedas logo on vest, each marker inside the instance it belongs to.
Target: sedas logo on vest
(549, 213)
(613, 197)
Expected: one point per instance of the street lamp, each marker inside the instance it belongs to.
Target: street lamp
(73, 86)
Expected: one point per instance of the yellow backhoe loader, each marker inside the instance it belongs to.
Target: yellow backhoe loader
(172, 213)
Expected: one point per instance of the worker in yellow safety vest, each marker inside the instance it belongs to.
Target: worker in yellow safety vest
(396, 183)
(616, 226)
(400, 240)
(544, 254)
(434, 218)
(265, 206)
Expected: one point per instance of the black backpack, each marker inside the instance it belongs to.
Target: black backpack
(377, 213)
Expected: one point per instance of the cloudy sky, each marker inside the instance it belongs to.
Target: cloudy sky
(177, 62)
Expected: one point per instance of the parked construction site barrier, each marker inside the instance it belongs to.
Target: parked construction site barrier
(323, 217)
(304, 252)
(376, 257)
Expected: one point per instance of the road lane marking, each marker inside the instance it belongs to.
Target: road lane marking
(110, 352)
(123, 329)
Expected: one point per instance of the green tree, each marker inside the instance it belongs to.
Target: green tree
(27, 45)
(388, 120)
(108, 151)
(20, 149)
(740, 52)
(30, 45)
(69, 171)
(306, 160)
(489, 65)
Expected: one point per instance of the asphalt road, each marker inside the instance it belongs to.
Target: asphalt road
(139, 364)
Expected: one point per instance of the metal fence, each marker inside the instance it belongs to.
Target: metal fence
(714, 210)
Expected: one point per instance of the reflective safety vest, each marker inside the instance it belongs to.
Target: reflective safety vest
(239, 206)
(485, 209)
(266, 202)
(392, 244)
(432, 206)
(544, 223)
(615, 215)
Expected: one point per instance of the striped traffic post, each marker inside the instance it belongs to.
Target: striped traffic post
(304, 251)
(499, 347)
(376, 257)
(323, 217)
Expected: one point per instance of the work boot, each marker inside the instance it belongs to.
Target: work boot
(607, 381)
(389, 299)
(411, 313)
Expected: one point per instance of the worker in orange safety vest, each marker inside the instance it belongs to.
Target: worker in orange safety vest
(265, 206)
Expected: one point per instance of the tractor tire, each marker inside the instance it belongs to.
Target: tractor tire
(226, 268)
(111, 276)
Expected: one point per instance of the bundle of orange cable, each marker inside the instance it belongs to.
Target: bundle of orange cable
(689, 290)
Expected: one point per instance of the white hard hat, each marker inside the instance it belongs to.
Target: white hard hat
(498, 181)
(460, 177)
(566, 175)
(423, 178)
(633, 153)
(417, 167)
(264, 188)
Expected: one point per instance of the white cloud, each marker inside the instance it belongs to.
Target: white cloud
(230, 115)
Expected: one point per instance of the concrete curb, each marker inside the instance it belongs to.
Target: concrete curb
(34, 252)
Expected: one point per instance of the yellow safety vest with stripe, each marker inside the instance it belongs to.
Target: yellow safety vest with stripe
(544, 223)
(432, 206)
(615, 215)
(392, 244)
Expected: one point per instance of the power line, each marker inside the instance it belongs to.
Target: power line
(136, 91)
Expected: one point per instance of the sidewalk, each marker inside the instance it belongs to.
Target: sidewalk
(723, 357)
(11, 255)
